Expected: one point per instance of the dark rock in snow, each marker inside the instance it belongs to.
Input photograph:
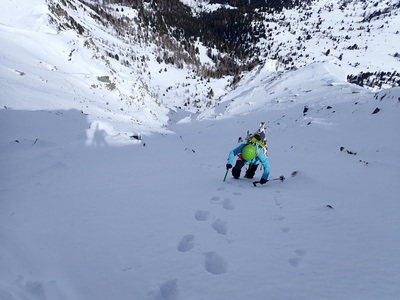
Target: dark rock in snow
(376, 110)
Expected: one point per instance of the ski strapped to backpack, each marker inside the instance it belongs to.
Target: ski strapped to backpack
(257, 139)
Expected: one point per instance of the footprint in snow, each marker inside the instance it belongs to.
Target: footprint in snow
(295, 261)
(201, 215)
(300, 252)
(168, 291)
(278, 202)
(186, 243)
(215, 264)
(216, 198)
(278, 218)
(228, 204)
(220, 226)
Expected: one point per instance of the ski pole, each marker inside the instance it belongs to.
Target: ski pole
(226, 173)
(281, 178)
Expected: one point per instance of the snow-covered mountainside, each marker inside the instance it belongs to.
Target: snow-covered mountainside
(108, 58)
(355, 34)
(113, 153)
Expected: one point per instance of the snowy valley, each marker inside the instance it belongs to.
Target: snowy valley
(111, 170)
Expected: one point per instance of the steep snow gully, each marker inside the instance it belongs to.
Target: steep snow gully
(108, 192)
(87, 214)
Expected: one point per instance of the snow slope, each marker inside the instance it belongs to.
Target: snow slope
(86, 212)
(154, 220)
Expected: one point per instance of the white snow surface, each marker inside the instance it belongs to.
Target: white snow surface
(89, 213)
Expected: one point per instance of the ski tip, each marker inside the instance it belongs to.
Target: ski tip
(294, 173)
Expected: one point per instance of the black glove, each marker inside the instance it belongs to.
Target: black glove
(262, 181)
(228, 166)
